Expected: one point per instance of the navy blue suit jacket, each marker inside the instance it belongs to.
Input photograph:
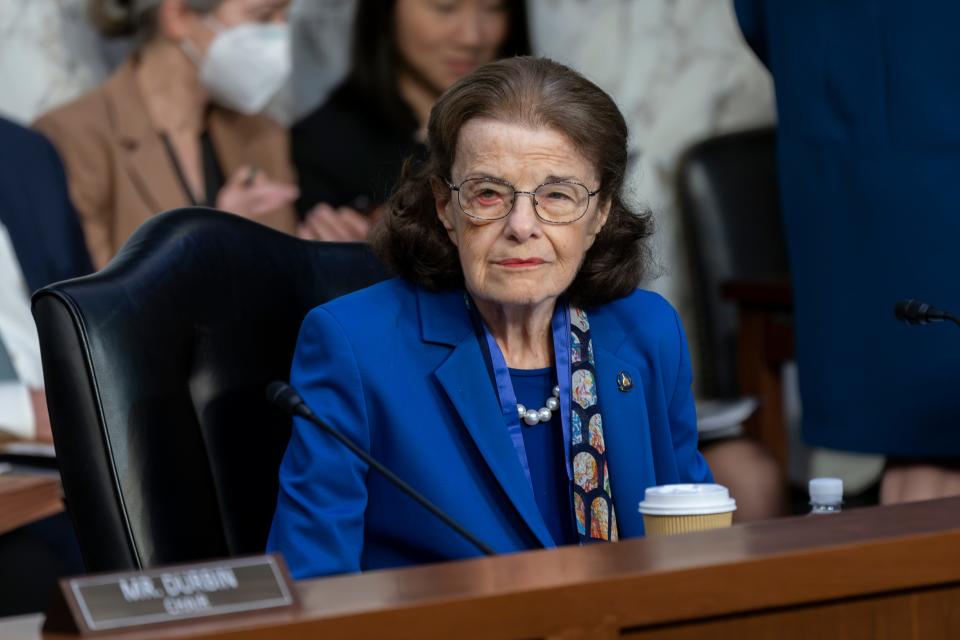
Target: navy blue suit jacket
(868, 101)
(400, 371)
(36, 211)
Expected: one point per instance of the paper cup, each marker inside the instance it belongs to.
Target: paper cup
(681, 508)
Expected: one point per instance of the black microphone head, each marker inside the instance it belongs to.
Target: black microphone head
(283, 396)
(910, 311)
(916, 312)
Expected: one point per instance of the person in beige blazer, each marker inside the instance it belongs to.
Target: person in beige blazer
(178, 123)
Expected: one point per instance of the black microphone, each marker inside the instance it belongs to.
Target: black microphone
(915, 312)
(286, 398)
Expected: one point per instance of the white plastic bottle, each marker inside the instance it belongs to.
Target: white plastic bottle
(826, 495)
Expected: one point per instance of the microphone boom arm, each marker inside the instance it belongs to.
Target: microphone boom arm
(283, 396)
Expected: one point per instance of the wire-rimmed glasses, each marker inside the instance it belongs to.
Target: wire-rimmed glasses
(559, 202)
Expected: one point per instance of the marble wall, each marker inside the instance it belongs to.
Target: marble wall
(49, 54)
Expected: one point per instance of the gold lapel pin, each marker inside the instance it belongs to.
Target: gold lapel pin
(624, 381)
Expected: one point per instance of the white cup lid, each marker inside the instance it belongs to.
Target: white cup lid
(687, 499)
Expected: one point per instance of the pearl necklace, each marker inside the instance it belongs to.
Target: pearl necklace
(544, 414)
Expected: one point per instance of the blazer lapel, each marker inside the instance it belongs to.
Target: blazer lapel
(147, 162)
(628, 448)
(233, 150)
(466, 381)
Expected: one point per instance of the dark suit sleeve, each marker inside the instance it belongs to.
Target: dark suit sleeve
(683, 415)
(319, 522)
(37, 209)
(752, 16)
(71, 258)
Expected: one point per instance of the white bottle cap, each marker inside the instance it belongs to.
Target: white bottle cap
(826, 491)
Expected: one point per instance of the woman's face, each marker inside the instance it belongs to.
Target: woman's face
(232, 13)
(519, 259)
(440, 41)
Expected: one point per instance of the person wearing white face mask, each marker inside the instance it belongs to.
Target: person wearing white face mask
(244, 66)
(181, 121)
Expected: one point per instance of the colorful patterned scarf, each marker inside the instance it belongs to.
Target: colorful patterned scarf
(592, 497)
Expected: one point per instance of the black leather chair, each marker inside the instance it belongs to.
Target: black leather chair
(730, 203)
(155, 370)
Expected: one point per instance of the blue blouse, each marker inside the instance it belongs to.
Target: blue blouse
(545, 454)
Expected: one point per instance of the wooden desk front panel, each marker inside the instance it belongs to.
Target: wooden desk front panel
(932, 614)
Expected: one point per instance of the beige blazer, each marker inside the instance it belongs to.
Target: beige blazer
(120, 173)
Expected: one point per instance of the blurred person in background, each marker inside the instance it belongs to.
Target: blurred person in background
(40, 243)
(179, 122)
(349, 152)
(868, 147)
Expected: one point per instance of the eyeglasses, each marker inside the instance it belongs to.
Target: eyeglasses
(493, 199)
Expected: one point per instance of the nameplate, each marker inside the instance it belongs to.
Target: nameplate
(175, 594)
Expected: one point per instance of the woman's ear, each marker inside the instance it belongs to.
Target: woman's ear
(442, 197)
(600, 219)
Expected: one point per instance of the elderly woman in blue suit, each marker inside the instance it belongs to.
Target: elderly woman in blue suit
(513, 373)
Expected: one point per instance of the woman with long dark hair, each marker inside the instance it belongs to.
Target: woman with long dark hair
(348, 153)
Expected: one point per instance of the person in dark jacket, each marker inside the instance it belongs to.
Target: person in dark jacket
(869, 154)
(348, 153)
(35, 208)
(40, 243)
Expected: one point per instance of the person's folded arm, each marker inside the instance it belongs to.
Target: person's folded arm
(318, 525)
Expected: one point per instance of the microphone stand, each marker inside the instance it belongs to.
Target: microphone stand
(286, 398)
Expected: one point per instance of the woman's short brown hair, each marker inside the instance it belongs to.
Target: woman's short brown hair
(537, 93)
(119, 18)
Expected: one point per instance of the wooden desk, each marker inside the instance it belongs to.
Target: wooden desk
(25, 498)
(765, 341)
(880, 572)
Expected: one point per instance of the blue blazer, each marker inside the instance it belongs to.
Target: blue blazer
(36, 210)
(401, 371)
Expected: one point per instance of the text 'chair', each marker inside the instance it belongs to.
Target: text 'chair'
(155, 371)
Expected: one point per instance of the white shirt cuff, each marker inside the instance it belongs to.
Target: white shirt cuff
(16, 411)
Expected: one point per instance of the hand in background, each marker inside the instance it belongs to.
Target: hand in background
(250, 193)
(38, 399)
(919, 481)
(343, 224)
